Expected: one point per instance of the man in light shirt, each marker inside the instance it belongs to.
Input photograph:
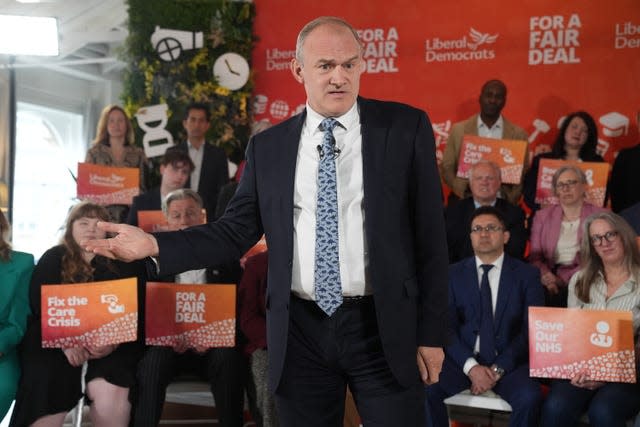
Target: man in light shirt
(223, 368)
(489, 297)
(489, 123)
(380, 331)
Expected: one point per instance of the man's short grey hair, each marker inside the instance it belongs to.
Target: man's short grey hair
(322, 20)
(492, 165)
(180, 194)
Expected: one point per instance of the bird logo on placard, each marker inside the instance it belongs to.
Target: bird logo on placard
(480, 38)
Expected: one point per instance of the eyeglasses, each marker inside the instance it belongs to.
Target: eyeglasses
(491, 228)
(609, 236)
(567, 184)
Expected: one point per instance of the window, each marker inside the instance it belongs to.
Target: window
(49, 144)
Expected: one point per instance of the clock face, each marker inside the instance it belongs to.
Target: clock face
(231, 70)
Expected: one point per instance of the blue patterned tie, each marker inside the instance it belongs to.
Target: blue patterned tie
(327, 262)
(487, 335)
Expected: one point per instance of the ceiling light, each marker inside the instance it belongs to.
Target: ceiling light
(28, 35)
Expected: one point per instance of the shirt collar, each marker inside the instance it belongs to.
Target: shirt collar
(347, 121)
(192, 147)
(499, 124)
(497, 264)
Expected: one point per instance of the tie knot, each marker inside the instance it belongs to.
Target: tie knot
(486, 267)
(328, 124)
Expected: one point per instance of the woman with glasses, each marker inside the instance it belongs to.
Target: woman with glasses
(608, 279)
(576, 141)
(556, 233)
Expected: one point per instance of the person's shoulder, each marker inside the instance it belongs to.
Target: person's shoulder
(629, 152)
(22, 258)
(514, 127)
(463, 265)
(523, 268)
(53, 254)
(388, 106)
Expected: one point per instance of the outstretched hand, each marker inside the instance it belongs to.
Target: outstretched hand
(130, 243)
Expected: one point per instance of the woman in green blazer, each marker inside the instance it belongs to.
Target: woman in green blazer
(15, 275)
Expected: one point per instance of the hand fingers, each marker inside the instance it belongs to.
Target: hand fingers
(109, 227)
(424, 373)
(433, 369)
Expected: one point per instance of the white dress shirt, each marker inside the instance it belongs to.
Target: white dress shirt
(494, 131)
(352, 246)
(494, 282)
(192, 277)
(196, 155)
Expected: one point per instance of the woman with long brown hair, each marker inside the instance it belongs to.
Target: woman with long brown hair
(15, 273)
(50, 384)
(114, 145)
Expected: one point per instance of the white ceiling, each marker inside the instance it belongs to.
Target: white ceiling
(90, 33)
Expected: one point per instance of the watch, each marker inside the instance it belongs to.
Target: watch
(231, 70)
(497, 370)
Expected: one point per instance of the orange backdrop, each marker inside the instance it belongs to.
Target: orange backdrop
(555, 57)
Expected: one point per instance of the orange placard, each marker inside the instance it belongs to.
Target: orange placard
(597, 174)
(152, 221)
(563, 341)
(89, 314)
(106, 185)
(260, 246)
(509, 154)
(200, 315)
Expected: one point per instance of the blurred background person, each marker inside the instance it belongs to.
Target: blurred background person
(484, 182)
(50, 383)
(114, 145)
(175, 168)
(625, 176)
(576, 141)
(557, 231)
(15, 274)
(608, 279)
(223, 368)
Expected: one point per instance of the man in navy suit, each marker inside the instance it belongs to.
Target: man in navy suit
(498, 359)
(387, 335)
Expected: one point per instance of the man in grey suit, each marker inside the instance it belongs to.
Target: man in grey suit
(382, 332)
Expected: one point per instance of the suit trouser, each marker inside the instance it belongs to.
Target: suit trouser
(324, 354)
(520, 391)
(223, 368)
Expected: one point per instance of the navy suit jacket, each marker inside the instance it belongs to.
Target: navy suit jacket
(458, 220)
(149, 201)
(519, 288)
(213, 175)
(404, 229)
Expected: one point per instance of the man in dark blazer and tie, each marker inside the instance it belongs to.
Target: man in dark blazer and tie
(387, 332)
(489, 297)
(211, 170)
(484, 182)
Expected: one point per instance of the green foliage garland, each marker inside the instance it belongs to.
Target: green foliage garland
(227, 26)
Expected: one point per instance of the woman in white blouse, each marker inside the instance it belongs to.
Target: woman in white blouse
(609, 279)
(557, 231)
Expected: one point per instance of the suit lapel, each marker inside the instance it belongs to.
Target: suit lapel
(472, 287)
(505, 288)
(374, 129)
(285, 175)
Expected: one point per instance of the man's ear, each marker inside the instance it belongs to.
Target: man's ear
(296, 70)
(506, 237)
